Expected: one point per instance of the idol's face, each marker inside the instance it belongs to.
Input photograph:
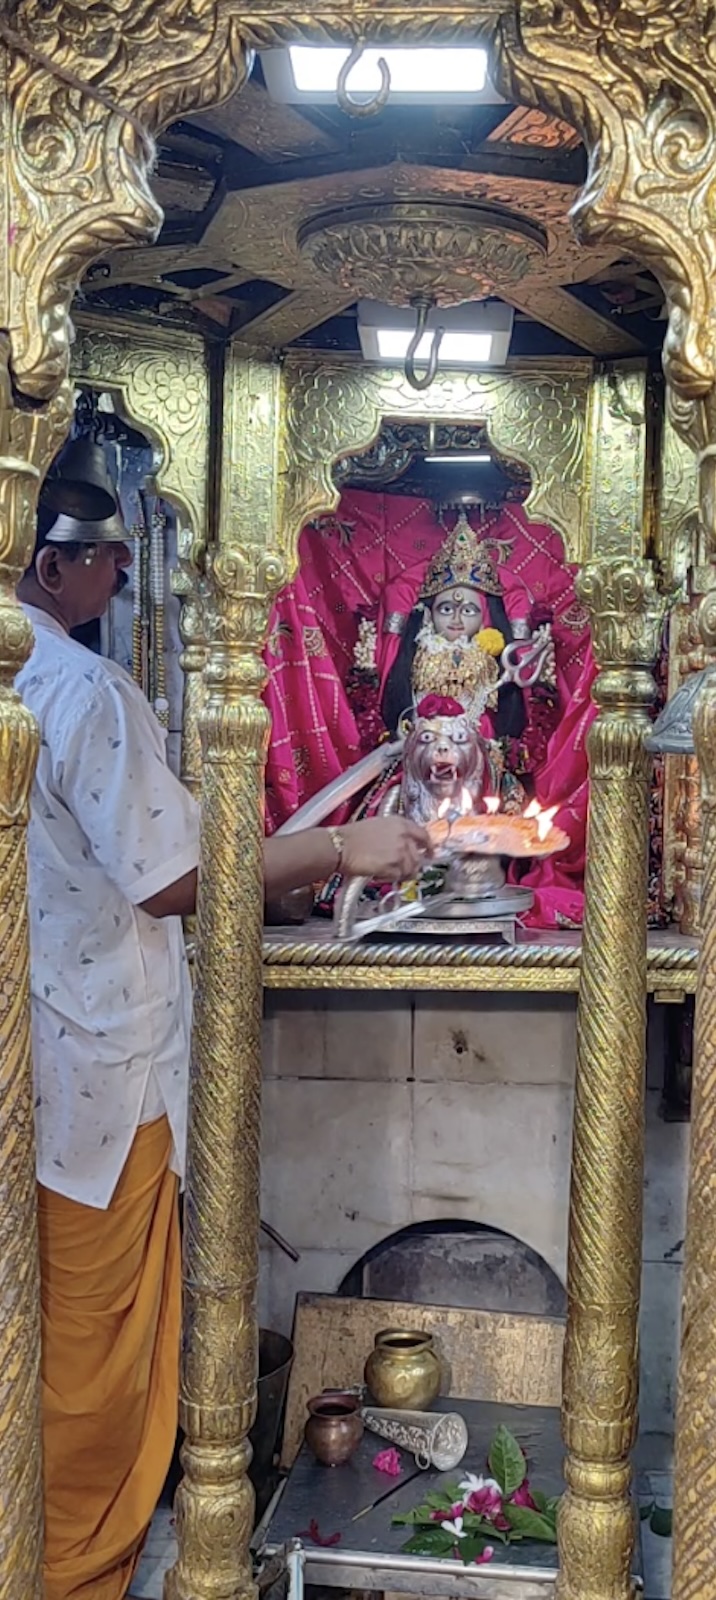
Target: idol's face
(457, 613)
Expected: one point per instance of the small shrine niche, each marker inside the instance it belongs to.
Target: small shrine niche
(429, 582)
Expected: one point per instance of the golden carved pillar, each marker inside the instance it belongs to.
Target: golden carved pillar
(221, 1241)
(76, 133)
(642, 92)
(190, 584)
(27, 444)
(220, 1345)
(596, 1528)
(695, 1463)
(685, 820)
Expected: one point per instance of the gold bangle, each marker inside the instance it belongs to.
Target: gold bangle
(339, 844)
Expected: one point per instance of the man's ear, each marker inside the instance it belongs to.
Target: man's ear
(48, 570)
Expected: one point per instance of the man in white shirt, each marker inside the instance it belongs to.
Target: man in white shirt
(113, 852)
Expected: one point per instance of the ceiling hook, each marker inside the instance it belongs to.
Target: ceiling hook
(424, 382)
(362, 108)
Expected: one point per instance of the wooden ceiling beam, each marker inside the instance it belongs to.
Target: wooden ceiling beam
(273, 132)
(555, 308)
(293, 317)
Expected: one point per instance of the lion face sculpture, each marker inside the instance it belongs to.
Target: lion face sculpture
(444, 759)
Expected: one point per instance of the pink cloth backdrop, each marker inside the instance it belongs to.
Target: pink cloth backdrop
(370, 559)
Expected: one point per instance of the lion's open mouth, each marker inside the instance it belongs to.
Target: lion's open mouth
(443, 772)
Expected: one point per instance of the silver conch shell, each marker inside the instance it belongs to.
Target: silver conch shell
(436, 1439)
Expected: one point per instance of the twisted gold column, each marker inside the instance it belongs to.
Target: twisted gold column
(20, 1454)
(220, 1357)
(20, 1457)
(694, 1570)
(596, 1528)
(695, 1476)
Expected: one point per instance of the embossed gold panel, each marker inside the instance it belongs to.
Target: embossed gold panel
(534, 412)
(163, 387)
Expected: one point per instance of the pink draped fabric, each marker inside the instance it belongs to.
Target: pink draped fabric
(369, 559)
(558, 881)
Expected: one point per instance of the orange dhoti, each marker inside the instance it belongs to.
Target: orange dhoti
(111, 1289)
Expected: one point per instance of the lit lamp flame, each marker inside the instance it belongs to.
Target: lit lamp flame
(543, 819)
(465, 803)
(491, 803)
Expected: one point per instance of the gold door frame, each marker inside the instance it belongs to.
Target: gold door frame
(640, 86)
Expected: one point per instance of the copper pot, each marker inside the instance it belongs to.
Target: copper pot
(402, 1371)
(335, 1427)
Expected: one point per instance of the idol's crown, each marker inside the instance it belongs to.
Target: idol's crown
(462, 559)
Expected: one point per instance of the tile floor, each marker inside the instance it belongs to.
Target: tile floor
(656, 1552)
(159, 1556)
(160, 1550)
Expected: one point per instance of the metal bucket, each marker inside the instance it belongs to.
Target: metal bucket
(275, 1360)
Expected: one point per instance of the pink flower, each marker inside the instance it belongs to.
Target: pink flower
(522, 1496)
(487, 1555)
(388, 1461)
(455, 1512)
(485, 1502)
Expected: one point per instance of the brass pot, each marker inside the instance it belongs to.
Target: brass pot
(402, 1371)
(335, 1428)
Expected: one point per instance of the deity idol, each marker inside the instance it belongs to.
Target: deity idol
(453, 641)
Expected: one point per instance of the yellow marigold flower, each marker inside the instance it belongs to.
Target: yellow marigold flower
(491, 641)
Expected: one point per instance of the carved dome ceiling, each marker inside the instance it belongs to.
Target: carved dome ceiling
(241, 185)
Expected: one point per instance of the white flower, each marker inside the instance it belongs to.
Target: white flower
(472, 1483)
(455, 1528)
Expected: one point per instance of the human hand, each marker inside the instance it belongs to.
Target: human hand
(391, 848)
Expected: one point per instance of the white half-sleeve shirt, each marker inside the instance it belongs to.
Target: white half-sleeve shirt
(110, 826)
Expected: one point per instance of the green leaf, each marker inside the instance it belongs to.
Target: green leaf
(507, 1463)
(531, 1524)
(470, 1549)
(430, 1542)
(661, 1521)
(553, 1505)
(442, 1500)
(479, 1525)
(541, 1501)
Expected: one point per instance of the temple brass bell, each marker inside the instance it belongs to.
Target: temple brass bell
(80, 485)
